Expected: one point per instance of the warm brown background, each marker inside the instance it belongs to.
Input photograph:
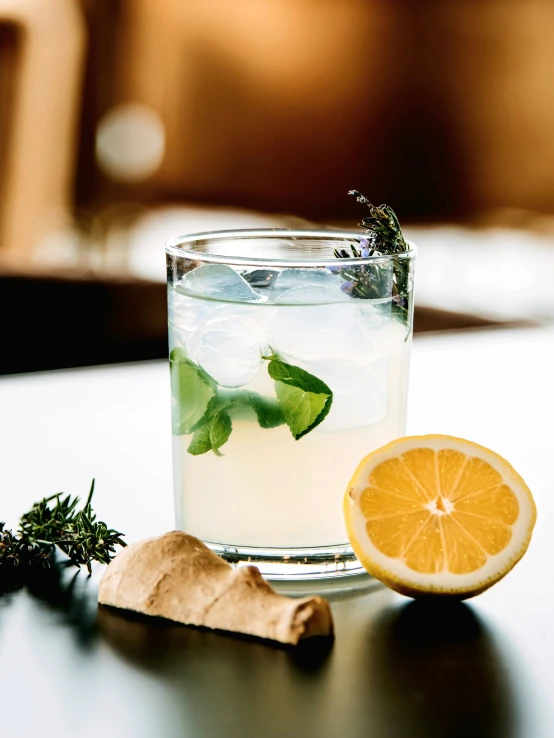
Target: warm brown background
(443, 110)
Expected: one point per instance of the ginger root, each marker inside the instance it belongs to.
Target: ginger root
(177, 577)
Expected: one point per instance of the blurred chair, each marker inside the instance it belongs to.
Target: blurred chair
(41, 51)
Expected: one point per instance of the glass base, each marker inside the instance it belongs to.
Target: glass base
(294, 564)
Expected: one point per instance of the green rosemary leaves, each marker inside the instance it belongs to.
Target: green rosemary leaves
(55, 522)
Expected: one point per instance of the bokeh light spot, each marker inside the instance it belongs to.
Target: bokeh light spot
(130, 142)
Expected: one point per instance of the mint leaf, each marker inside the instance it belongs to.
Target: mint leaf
(214, 428)
(296, 377)
(200, 442)
(268, 411)
(177, 355)
(304, 399)
(193, 391)
(220, 430)
(212, 435)
(210, 409)
(301, 409)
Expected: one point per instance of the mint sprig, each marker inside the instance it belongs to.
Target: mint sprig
(216, 426)
(202, 408)
(304, 399)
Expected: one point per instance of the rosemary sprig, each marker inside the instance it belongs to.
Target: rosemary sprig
(55, 522)
(383, 237)
(383, 227)
(18, 553)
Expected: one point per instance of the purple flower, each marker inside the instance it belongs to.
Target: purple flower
(364, 245)
(400, 300)
(348, 287)
(334, 269)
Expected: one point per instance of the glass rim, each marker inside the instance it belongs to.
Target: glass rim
(176, 246)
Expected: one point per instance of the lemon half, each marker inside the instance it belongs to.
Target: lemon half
(438, 515)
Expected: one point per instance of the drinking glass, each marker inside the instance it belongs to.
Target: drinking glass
(288, 365)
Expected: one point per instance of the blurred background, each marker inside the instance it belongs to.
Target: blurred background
(125, 122)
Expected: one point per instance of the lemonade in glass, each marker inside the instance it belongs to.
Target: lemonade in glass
(288, 365)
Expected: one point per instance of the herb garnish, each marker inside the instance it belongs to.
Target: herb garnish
(201, 407)
(52, 523)
(214, 432)
(216, 426)
(195, 391)
(382, 227)
(304, 399)
(380, 280)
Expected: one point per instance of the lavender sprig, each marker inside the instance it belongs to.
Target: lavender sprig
(383, 226)
(383, 237)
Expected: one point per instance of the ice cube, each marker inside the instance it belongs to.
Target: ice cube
(186, 314)
(376, 396)
(349, 347)
(300, 286)
(320, 332)
(290, 278)
(217, 282)
(310, 294)
(261, 278)
(229, 348)
(361, 403)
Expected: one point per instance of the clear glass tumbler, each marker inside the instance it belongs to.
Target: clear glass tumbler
(288, 366)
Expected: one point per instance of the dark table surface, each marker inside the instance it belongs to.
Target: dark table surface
(396, 668)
